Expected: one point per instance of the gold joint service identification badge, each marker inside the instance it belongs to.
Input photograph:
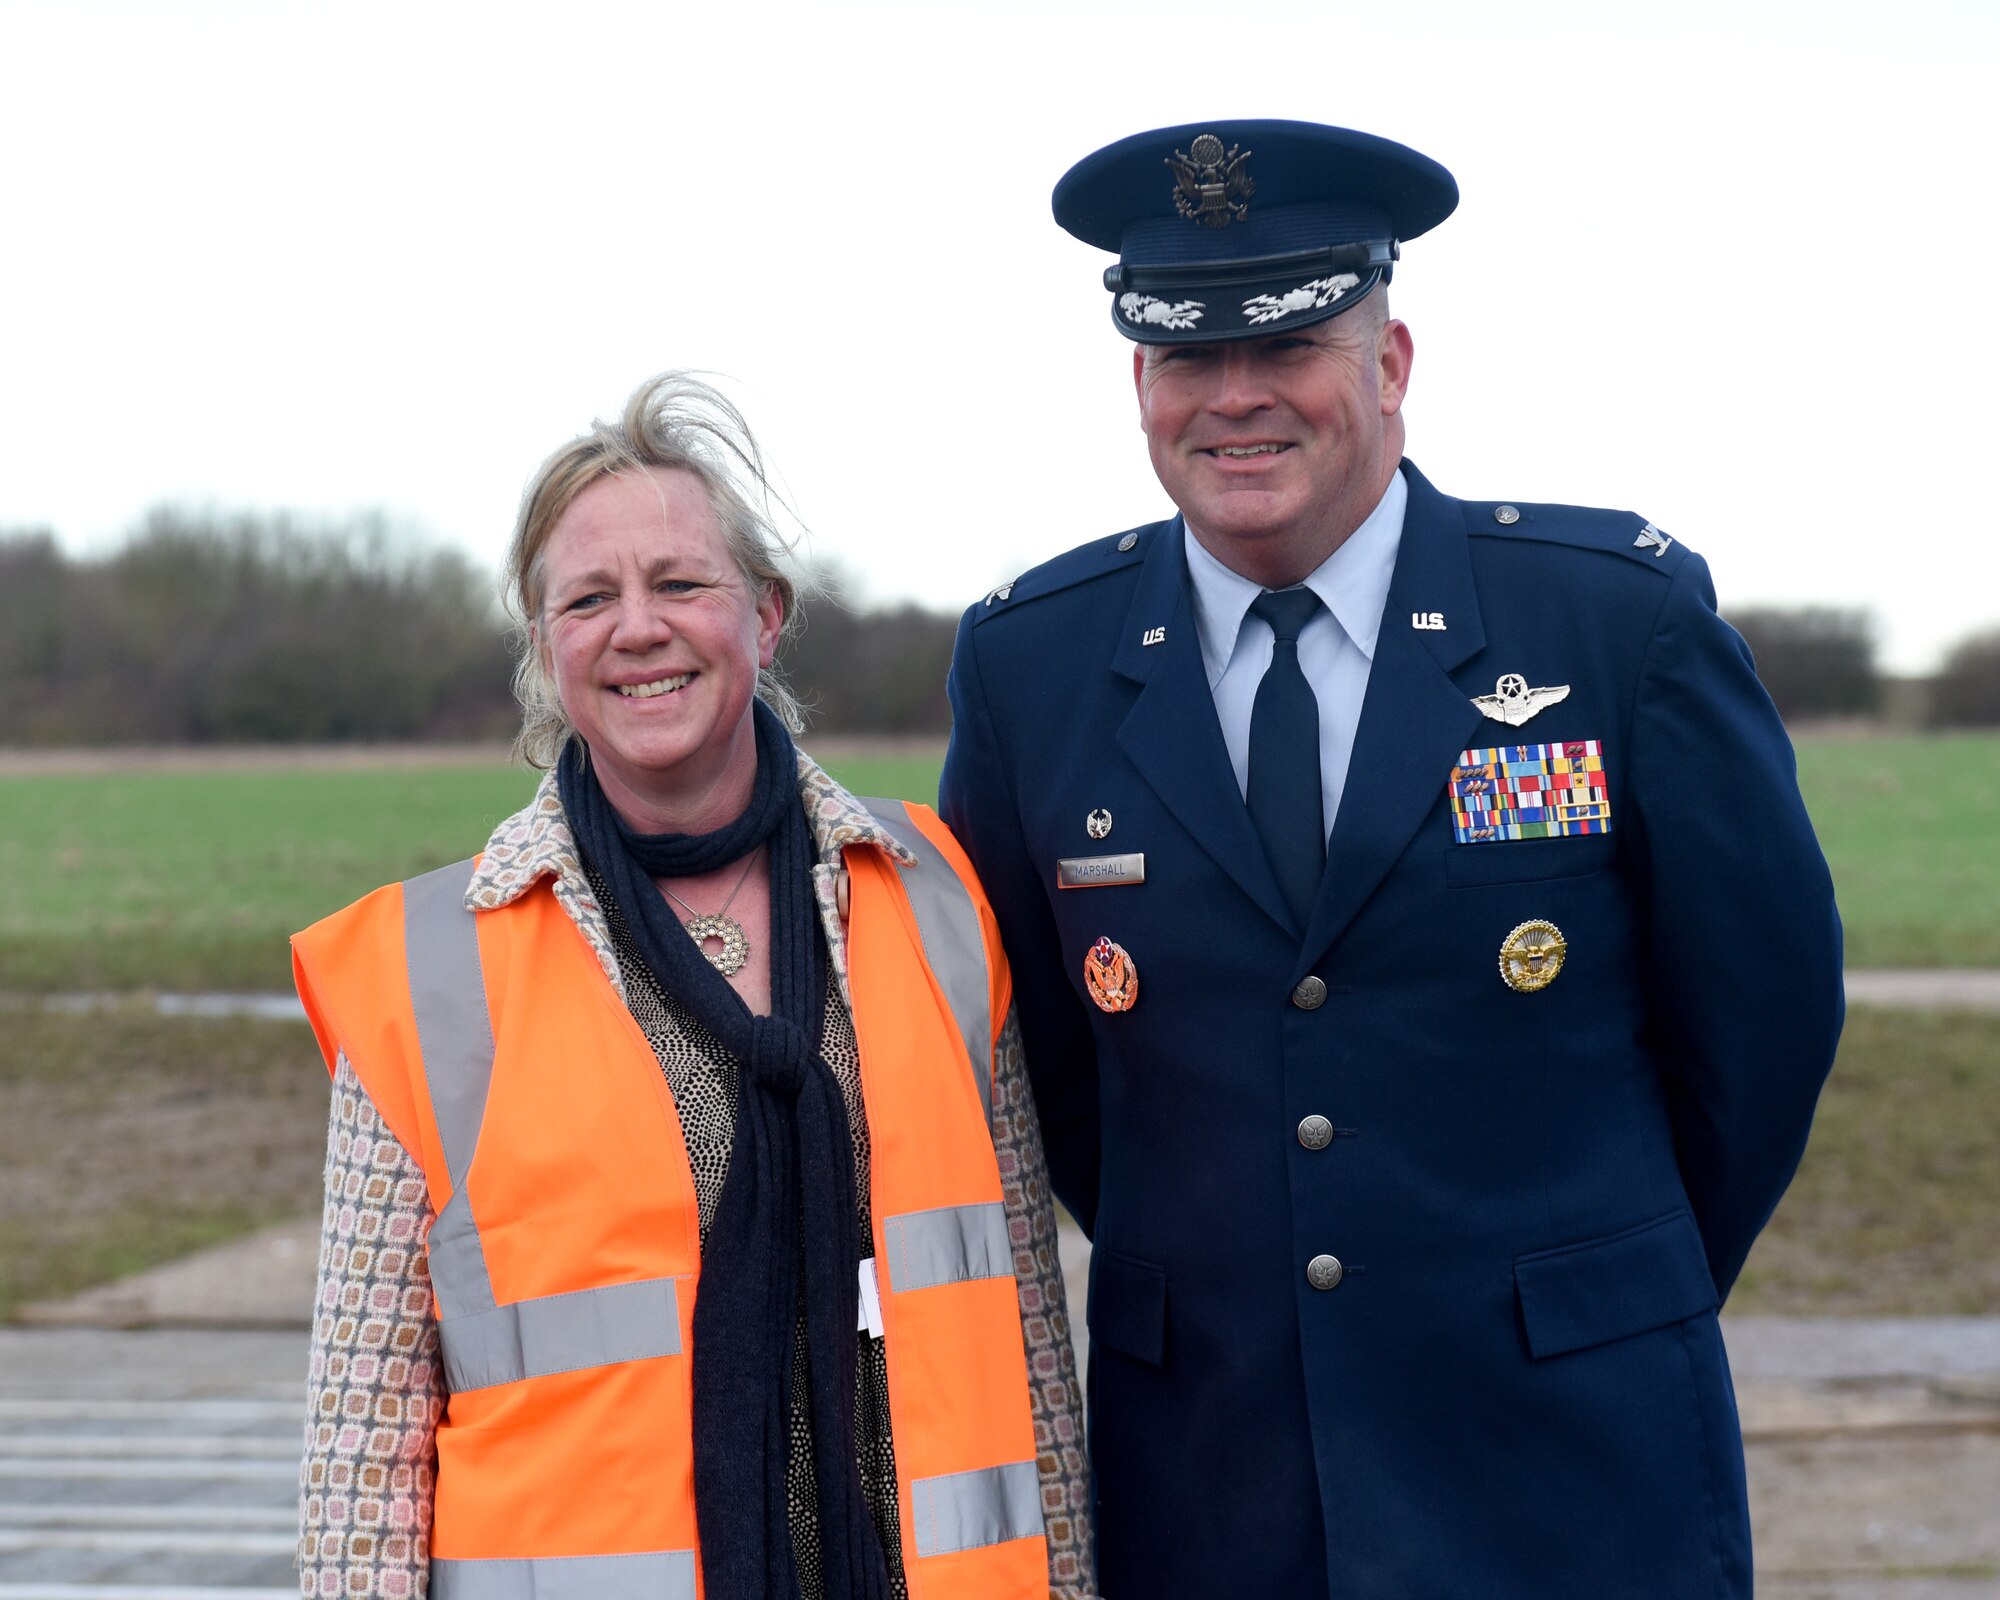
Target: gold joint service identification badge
(1532, 955)
(1111, 976)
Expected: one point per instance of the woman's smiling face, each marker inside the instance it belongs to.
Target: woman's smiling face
(653, 638)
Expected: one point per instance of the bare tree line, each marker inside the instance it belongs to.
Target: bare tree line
(245, 629)
(271, 629)
(1819, 661)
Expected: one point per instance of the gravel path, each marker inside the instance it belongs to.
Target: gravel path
(1940, 989)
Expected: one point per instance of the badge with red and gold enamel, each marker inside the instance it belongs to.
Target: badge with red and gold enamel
(1111, 976)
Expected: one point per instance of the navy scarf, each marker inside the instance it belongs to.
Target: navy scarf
(783, 1236)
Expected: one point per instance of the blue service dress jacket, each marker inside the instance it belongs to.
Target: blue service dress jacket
(1512, 1385)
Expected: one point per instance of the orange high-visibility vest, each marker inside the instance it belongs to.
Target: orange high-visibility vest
(565, 1257)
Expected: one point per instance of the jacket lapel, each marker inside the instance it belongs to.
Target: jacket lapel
(1171, 734)
(1414, 719)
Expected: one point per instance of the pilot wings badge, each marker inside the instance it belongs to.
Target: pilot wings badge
(1210, 185)
(1514, 702)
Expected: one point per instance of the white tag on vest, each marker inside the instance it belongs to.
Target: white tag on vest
(869, 1319)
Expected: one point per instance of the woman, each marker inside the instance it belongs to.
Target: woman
(655, 1083)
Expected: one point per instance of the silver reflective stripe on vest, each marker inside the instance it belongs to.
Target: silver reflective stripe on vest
(484, 1343)
(968, 1510)
(948, 923)
(459, 1280)
(560, 1333)
(455, 1034)
(448, 993)
(656, 1575)
(949, 1245)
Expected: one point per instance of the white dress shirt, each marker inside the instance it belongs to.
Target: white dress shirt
(1335, 650)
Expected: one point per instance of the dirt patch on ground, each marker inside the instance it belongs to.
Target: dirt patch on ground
(128, 1138)
(1897, 1202)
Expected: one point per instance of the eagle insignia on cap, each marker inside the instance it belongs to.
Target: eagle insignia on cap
(1210, 185)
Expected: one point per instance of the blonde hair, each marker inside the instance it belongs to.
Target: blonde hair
(672, 421)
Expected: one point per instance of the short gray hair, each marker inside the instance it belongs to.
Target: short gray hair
(672, 421)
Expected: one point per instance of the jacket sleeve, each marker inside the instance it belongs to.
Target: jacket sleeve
(1744, 998)
(976, 798)
(375, 1388)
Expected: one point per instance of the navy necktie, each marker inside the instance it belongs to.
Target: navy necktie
(1284, 794)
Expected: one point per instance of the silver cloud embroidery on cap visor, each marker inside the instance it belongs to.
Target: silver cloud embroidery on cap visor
(1143, 309)
(1314, 296)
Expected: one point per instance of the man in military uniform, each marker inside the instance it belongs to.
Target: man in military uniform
(1427, 968)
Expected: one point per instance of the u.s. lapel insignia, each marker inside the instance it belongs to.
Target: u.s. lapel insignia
(1211, 184)
(1513, 702)
(1531, 956)
(1650, 538)
(1111, 977)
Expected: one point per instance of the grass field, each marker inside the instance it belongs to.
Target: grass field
(1911, 828)
(189, 880)
(1896, 1206)
(182, 880)
(126, 1139)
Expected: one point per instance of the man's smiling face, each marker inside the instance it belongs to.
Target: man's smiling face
(1276, 448)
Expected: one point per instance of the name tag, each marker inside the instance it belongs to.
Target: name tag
(1096, 872)
(868, 1312)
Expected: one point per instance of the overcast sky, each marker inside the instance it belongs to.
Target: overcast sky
(1729, 265)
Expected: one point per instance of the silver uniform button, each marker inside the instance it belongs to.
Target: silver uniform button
(1324, 1272)
(1315, 1133)
(1310, 995)
(1506, 516)
(1128, 541)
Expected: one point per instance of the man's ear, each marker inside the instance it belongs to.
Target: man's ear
(1394, 353)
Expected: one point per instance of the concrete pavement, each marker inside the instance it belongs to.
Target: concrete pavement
(151, 1427)
(154, 1465)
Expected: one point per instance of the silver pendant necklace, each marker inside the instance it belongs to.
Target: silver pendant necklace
(719, 926)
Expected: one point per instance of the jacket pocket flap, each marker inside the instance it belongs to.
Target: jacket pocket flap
(1472, 866)
(1128, 1306)
(1585, 1294)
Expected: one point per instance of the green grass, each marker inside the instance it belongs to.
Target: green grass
(1911, 828)
(127, 1139)
(181, 881)
(903, 777)
(187, 880)
(193, 881)
(1896, 1206)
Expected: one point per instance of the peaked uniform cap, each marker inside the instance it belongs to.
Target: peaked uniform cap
(1231, 230)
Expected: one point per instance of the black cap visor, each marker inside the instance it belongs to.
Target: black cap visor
(1189, 303)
